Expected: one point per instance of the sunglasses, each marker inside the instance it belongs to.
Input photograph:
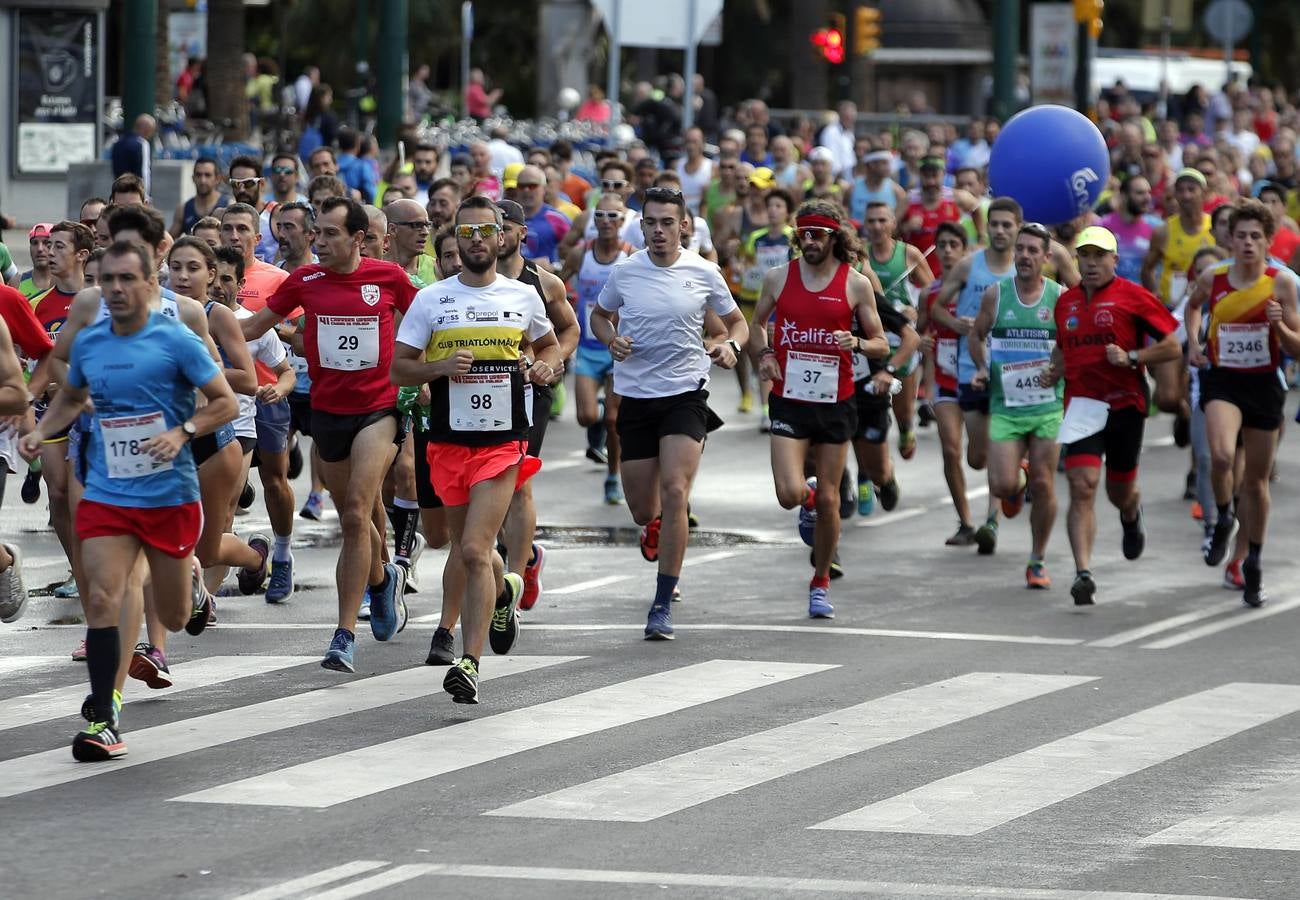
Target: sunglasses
(415, 226)
(527, 184)
(244, 182)
(283, 170)
(814, 233)
(612, 185)
(482, 230)
(607, 214)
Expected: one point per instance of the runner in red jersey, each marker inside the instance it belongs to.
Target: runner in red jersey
(933, 204)
(350, 304)
(1102, 326)
(815, 300)
(950, 248)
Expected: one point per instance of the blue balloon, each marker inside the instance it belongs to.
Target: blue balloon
(1052, 161)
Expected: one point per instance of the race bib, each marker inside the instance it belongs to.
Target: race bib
(945, 355)
(347, 343)
(1244, 345)
(1177, 287)
(861, 367)
(1020, 385)
(811, 377)
(528, 402)
(124, 437)
(480, 402)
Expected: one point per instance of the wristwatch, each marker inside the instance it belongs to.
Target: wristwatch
(190, 430)
(735, 346)
(1132, 359)
(891, 368)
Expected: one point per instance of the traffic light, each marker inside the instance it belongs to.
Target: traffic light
(1088, 12)
(829, 41)
(866, 30)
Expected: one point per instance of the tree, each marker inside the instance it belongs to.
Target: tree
(162, 77)
(225, 66)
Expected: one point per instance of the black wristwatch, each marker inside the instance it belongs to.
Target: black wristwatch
(891, 368)
(190, 430)
(735, 346)
(1132, 359)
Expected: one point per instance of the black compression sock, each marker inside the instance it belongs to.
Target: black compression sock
(103, 653)
(1225, 511)
(1254, 550)
(405, 520)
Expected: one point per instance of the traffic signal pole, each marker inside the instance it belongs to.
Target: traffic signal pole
(1006, 47)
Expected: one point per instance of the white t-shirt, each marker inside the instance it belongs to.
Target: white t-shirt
(630, 233)
(694, 185)
(661, 308)
(268, 350)
(701, 237)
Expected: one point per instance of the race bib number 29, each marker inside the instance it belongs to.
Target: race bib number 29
(347, 343)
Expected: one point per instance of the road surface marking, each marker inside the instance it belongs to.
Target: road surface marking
(680, 782)
(297, 886)
(21, 663)
(1242, 616)
(1267, 819)
(348, 776)
(978, 799)
(1120, 638)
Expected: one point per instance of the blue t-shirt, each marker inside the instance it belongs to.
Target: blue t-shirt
(545, 231)
(142, 384)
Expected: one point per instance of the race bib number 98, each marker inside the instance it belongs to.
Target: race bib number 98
(480, 402)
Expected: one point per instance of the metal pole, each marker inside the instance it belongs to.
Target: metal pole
(1006, 47)
(1083, 71)
(1227, 43)
(688, 114)
(391, 67)
(466, 38)
(615, 63)
(141, 21)
(1166, 33)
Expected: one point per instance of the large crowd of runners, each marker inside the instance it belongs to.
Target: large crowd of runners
(410, 356)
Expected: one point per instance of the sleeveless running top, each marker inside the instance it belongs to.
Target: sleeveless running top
(945, 340)
(968, 304)
(1020, 347)
(862, 196)
(1241, 337)
(166, 305)
(190, 214)
(1180, 247)
(591, 279)
(947, 210)
(813, 367)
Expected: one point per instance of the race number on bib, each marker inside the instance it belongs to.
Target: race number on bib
(945, 355)
(811, 377)
(1177, 287)
(124, 437)
(348, 343)
(861, 367)
(1020, 385)
(480, 402)
(1243, 345)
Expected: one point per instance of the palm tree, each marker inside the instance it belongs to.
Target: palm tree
(225, 66)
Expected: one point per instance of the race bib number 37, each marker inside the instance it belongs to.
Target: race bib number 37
(124, 438)
(811, 377)
(347, 343)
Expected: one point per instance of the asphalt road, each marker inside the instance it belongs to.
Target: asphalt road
(950, 734)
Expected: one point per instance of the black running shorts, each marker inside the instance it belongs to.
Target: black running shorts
(642, 421)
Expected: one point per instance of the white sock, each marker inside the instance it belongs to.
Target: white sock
(280, 552)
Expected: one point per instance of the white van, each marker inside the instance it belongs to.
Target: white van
(1140, 71)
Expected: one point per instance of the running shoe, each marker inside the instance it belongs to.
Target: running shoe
(986, 538)
(79, 655)
(613, 490)
(1182, 431)
(461, 681)
(692, 520)
(280, 587)
(1189, 486)
(1135, 536)
(889, 494)
(442, 649)
(746, 403)
(818, 607)
(808, 513)
(659, 623)
(866, 498)
(148, 664)
(412, 575)
(1084, 589)
(201, 604)
(1233, 580)
(765, 423)
(1198, 512)
(212, 613)
(650, 540)
(1036, 577)
(250, 580)
(907, 444)
(596, 437)
(1011, 507)
(964, 536)
(68, 590)
(677, 594)
(533, 578)
(295, 460)
(31, 490)
(98, 742)
(504, 630)
(313, 508)
(1224, 531)
(13, 593)
(847, 501)
(597, 454)
(363, 614)
(385, 618)
(248, 496)
(1252, 588)
(924, 414)
(339, 655)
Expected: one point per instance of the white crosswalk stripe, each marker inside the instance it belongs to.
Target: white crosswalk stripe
(992, 795)
(57, 703)
(1268, 819)
(22, 663)
(671, 785)
(348, 776)
(41, 770)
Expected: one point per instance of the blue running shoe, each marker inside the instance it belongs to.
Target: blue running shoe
(384, 618)
(363, 614)
(818, 608)
(866, 498)
(613, 491)
(280, 587)
(314, 508)
(339, 656)
(659, 624)
(808, 515)
(250, 580)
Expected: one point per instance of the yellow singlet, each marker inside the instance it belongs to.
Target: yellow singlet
(1180, 247)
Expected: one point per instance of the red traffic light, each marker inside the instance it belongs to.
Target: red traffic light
(830, 41)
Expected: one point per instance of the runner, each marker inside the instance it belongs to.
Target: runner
(546, 225)
(141, 485)
(661, 370)
(207, 198)
(478, 420)
(348, 338)
(293, 230)
(1014, 335)
(593, 365)
(409, 230)
(932, 203)
(766, 248)
(525, 557)
(964, 287)
(1252, 320)
(1101, 327)
(898, 264)
(37, 280)
(1133, 225)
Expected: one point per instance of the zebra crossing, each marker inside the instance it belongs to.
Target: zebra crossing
(961, 803)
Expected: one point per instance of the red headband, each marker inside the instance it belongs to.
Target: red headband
(817, 221)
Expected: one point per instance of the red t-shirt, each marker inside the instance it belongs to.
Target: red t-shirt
(1284, 245)
(349, 332)
(24, 328)
(1121, 313)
